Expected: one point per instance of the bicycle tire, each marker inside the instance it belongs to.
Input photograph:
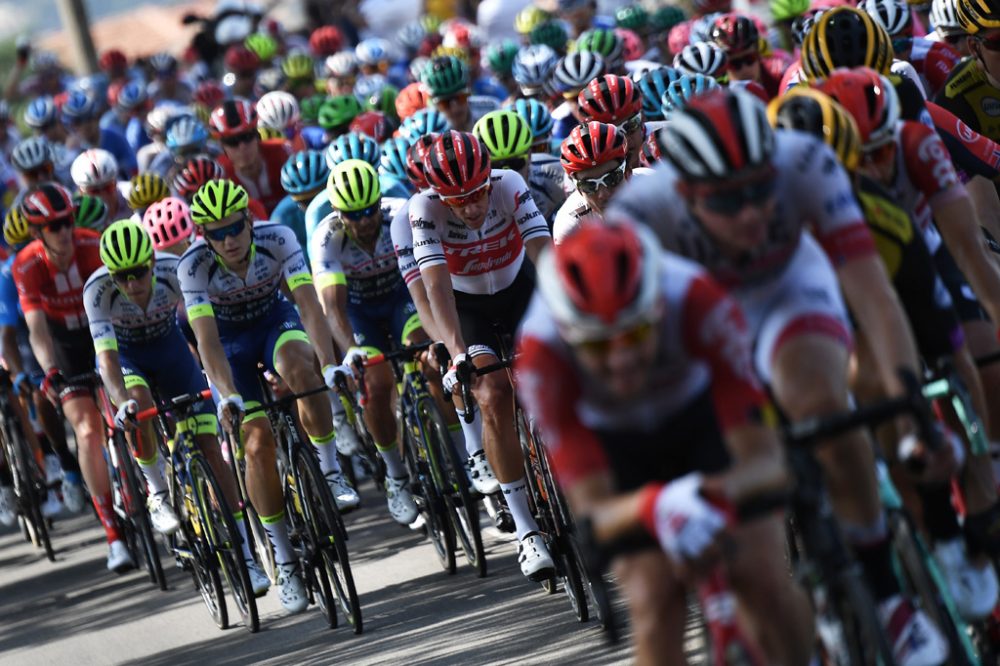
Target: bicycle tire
(428, 496)
(224, 540)
(541, 504)
(855, 608)
(134, 492)
(463, 507)
(319, 511)
(32, 487)
(261, 545)
(367, 451)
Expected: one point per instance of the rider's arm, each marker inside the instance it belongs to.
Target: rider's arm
(442, 300)
(956, 220)
(11, 353)
(213, 356)
(330, 280)
(530, 222)
(40, 338)
(419, 297)
(334, 298)
(314, 322)
(110, 367)
(984, 197)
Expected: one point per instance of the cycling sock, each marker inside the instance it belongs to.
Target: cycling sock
(393, 461)
(154, 476)
(473, 431)
(326, 451)
(517, 501)
(939, 514)
(241, 527)
(876, 560)
(277, 532)
(106, 514)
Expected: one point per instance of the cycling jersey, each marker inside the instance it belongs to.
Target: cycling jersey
(59, 294)
(266, 188)
(479, 106)
(10, 309)
(291, 215)
(546, 182)
(811, 187)
(115, 319)
(317, 211)
(703, 346)
(972, 153)
(484, 260)
(210, 289)
(402, 243)
(933, 62)
(575, 207)
(969, 95)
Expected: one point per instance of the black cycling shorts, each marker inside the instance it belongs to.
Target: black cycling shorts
(962, 296)
(484, 318)
(75, 357)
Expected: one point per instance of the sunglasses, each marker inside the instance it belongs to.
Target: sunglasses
(461, 200)
(610, 180)
(954, 37)
(137, 273)
(222, 233)
(512, 164)
(233, 141)
(740, 62)
(731, 200)
(358, 215)
(632, 124)
(991, 44)
(629, 338)
(55, 226)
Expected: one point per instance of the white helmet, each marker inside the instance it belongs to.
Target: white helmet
(701, 58)
(944, 16)
(94, 168)
(32, 153)
(341, 64)
(277, 110)
(893, 15)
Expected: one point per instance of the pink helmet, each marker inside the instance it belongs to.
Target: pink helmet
(679, 37)
(168, 222)
(633, 44)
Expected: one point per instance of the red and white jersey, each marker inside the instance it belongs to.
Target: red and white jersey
(402, 244)
(811, 189)
(485, 260)
(703, 345)
(57, 293)
(934, 62)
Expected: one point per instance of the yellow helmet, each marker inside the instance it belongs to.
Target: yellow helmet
(809, 110)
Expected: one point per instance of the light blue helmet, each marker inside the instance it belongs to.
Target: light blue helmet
(683, 89)
(393, 162)
(424, 121)
(40, 112)
(653, 85)
(353, 146)
(304, 172)
(538, 116)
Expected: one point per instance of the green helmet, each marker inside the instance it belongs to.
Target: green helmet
(633, 17)
(15, 227)
(665, 18)
(505, 134)
(353, 185)
(445, 76)
(550, 33)
(786, 10)
(309, 108)
(605, 43)
(384, 101)
(91, 212)
(298, 66)
(430, 22)
(217, 200)
(528, 18)
(264, 45)
(500, 57)
(339, 111)
(124, 245)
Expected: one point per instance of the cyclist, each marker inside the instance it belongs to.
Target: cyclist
(715, 199)
(616, 100)
(49, 274)
(471, 232)
(739, 37)
(144, 190)
(637, 367)
(95, 173)
(131, 305)
(366, 304)
(447, 81)
(303, 176)
(81, 117)
(232, 280)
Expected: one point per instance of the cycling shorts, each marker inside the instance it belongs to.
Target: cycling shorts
(75, 358)
(383, 324)
(804, 299)
(485, 317)
(259, 342)
(963, 298)
(167, 367)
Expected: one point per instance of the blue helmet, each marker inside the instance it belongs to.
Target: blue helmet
(40, 112)
(78, 106)
(305, 172)
(353, 146)
(652, 85)
(131, 96)
(538, 116)
(533, 65)
(184, 133)
(424, 121)
(394, 158)
(683, 89)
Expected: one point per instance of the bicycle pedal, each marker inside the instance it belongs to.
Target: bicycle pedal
(504, 521)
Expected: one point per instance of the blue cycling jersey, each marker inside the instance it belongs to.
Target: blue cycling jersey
(113, 142)
(318, 209)
(10, 307)
(288, 213)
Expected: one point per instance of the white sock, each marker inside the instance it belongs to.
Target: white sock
(516, 495)
(473, 432)
(154, 476)
(277, 532)
(241, 527)
(393, 461)
(327, 454)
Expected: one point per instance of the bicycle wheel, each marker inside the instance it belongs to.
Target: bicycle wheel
(463, 509)
(198, 558)
(29, 486)
(319, 512)
(134, 501)
(223, 539)
(427, 493)
(853, 610)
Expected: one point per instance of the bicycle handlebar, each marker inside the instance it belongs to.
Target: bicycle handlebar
(180, 402)
(402, 354)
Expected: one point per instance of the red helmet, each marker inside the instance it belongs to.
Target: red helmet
(592, 144)
(47, 203)
(869, 97)
(602, 279)
(456, 164)
(113, 62)
(679, 37)
(372, 123)
(735, 33)
(209, 94)
(610, 99)
(325, 41)
(195, 173)
(234, 116)
(411, 99)
(241, 60)
(415, 157)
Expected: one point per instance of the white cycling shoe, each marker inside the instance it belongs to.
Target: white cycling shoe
(484, 481)
(973, 589)
(52, 504)
(914, 639)
(402, 508)
(534, 558)
(161, 514)
(291, 589)
(72, 492)
(119, 559)
(259, 581)
(8, 506)
(346, 497)
(345, 438)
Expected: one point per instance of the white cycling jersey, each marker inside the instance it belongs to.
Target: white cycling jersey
(568, 216)
(402, 243)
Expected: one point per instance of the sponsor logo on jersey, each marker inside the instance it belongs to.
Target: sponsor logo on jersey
(964, 131)
(990, 106)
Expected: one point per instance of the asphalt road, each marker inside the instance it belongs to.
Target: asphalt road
(75, 612)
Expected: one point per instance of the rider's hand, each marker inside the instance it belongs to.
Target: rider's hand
(230, 407)
(450, 380)
(53, 384)
(355, 356)
(684, 522)
(330, 373)
(932, 465)
(125, 416)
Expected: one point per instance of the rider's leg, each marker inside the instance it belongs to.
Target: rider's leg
(263, 484)
(85, 419)
(143, 439)
(657, 606)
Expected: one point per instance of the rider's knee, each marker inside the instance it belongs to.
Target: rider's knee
(493, 391)
(258, 442)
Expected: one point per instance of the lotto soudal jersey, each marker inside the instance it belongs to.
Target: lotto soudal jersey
(113, 318)
(483, 260)
(211, 289)
(57, 293)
